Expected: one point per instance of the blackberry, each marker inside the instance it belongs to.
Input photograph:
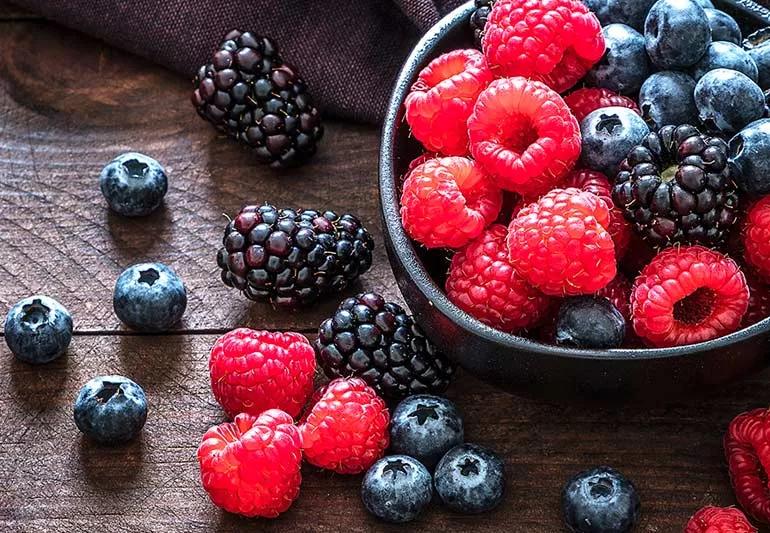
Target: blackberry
(479, 19)
(677, 186)
(291, 258)
(248, 93)
(380, 343)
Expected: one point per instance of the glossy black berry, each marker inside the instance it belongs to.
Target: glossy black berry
(479, 19)
(590, 322)
(600, 501)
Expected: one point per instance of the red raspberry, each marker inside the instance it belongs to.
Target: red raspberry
(560, 245)
(346, 430)
(251, 466)
(553, 41)
(618, 291)
(598, 184)
(634, 263)
(483, 283)
(686, 295)
(441, 100)
(583, 101)
(756, 237)
(448, 201)
(759, 302)
(523, 135)
(747, 448)
(252, 371)
(719, 520)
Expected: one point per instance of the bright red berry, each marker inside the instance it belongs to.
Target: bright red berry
(523, 135)
(759, 301)
(756, 237)
(719, 520)
(441, 100)
(553, 41)
(483, 283)
(251, 466)
(747, 448)
(346, 429)
(686, 295)
(448, 201)
(252, 371)
(583, 101)
(559, 244)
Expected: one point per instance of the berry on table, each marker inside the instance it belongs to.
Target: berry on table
(631, 12)
(110, 409)
(667, 98)
(448, 201)
(748, 454)
(600, 500)
(717, 106)
(441, 100)
(750, 152)
(251, 466)
(677, 33)
(425, 427)
(725, 55)
(381, 343)
(590, 322)
(523, 135)
(345, 428)
(38, 329)
(686, 295)
(248, 93)
(711, 519)
(149, 297)
(608, 134)
(397, 488)
(293, 258)
(723, 26)
(133, 184)
(252, 371)
(755, 236)
(587, 99)
(470, 479)
(625, 64)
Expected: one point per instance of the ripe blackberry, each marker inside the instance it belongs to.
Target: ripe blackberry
(677, 186)
(247, 92)
(291, 258)
(479, 19)
(379, 342)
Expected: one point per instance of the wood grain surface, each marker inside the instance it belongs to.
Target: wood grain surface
(68, 104)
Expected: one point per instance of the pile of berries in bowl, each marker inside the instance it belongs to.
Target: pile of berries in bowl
(560, 184)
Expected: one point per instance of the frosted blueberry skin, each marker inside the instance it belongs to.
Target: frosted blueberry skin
(600, 501)
(723, 26)
(397, 488)
(761, 56)
(727, 100)
(149, 297)
(38, 329)
(470, 479)
(110, 409)
(666, 98)
(722, 54)
(608, 134)
(677, 33)
(630, 12)
(625, 64)
(133, 184)
(750, 152)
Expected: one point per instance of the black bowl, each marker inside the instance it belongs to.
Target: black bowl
(515, 363)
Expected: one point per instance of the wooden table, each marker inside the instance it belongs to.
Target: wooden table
(69, 104)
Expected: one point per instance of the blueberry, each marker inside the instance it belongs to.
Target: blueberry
(470, 479)
(677, 33)
(630, 12)
(722, 54)
(110, 409)
(600, 501)
(397, 488)
(590, 322)
(609, 134)
(38, 329)
(133, 184)
(425, 427)
(666, 98)
(625, 65)
(723, 26)
(750, 152)
(761, 56)
(705, 4)
(149, 297)
(728, 100)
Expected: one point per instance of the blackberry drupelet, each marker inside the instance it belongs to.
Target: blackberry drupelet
(479, 19)
(677, 186)
(379, 342)
(291, 258)
(247, 92)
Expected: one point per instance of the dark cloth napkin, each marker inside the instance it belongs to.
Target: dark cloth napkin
(348, 51)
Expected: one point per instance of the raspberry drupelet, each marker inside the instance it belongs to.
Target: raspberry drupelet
(747, 449)
(755, 236)
(583, 102)
(712, 519)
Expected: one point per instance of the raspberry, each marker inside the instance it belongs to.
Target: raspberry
(759, 302)
(583, 101)
(559, 244)
(251, 466)
(256, 370)
(524, 135)
(441, 100)
(748, 454)
(756, 237)
(719, 520)
(686, 295)
(346, 428)
(598, 184)
(555, 42)
(483, 283)
(618, 291)
(448, 201)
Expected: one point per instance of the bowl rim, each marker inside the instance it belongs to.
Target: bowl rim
(404, 249)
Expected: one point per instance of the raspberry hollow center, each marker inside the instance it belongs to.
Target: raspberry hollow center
(696, 307)
(518, 133)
